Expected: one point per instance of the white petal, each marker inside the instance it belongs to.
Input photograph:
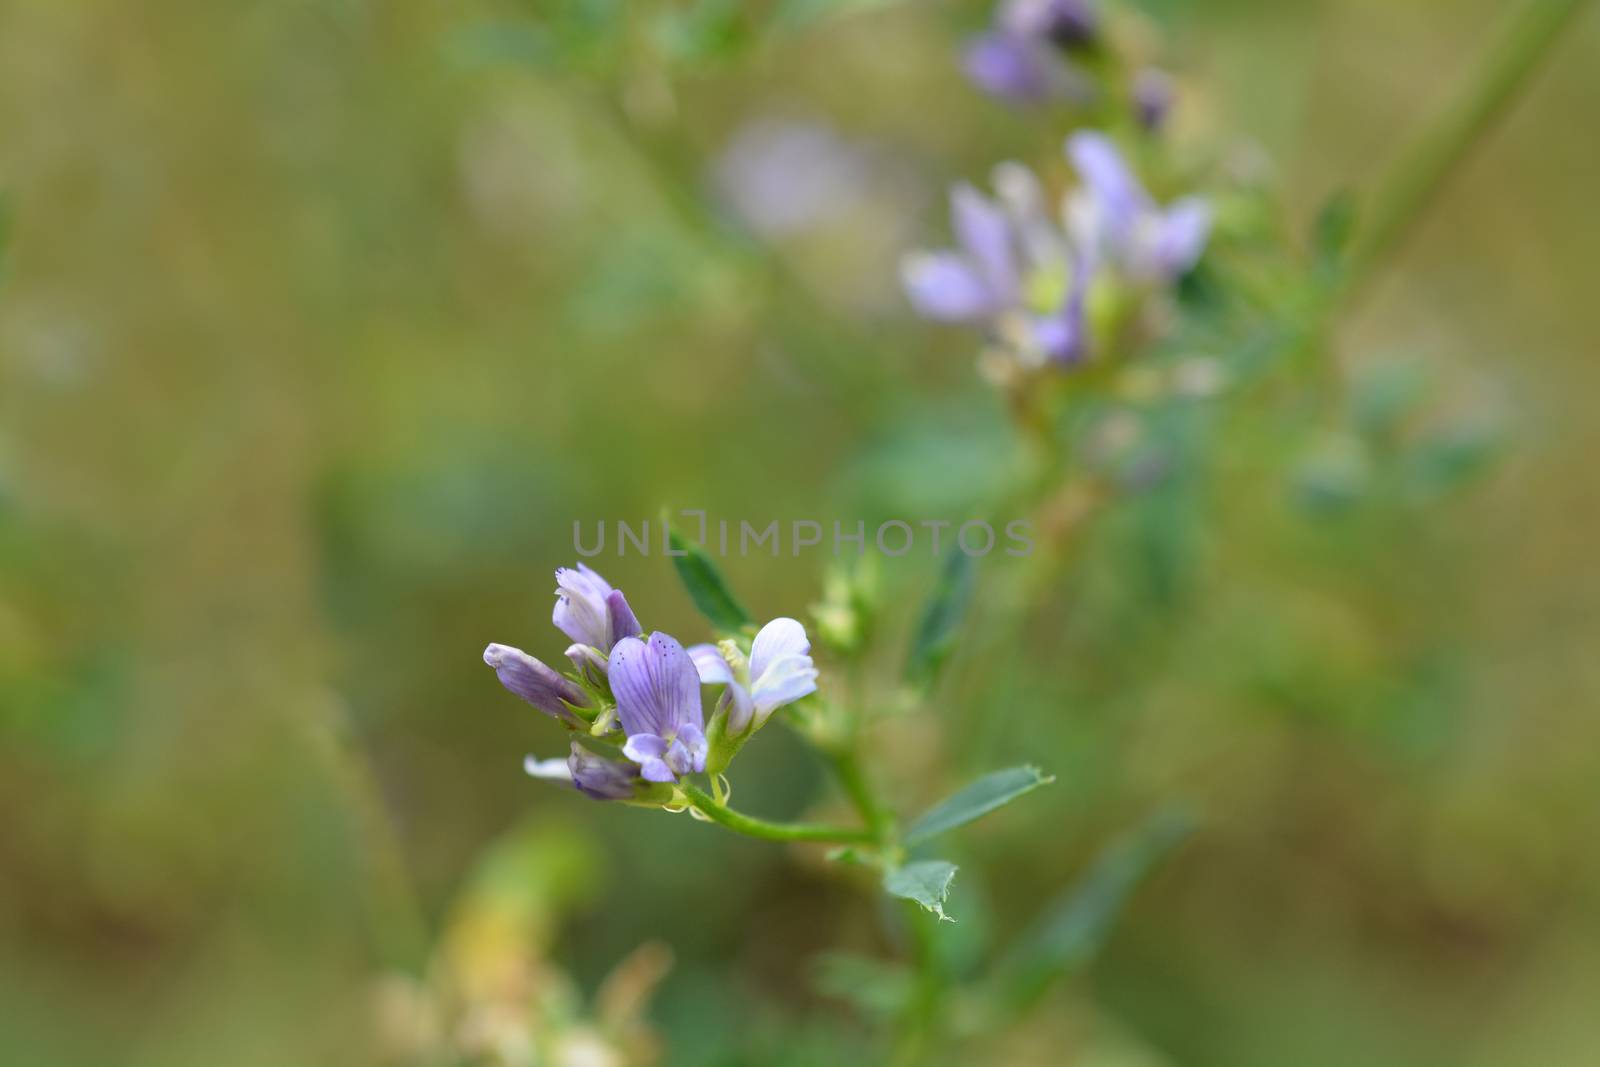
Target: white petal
(778, 638)
(555, 770)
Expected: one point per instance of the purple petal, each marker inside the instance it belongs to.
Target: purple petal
(580, 610)
(1010, 66)
(588, 661)
(944, 287)
(712, 667)
(741, 709)
(656, 686)
(655, 770)
(641, 747)
(598, 777)
(984, 233)
(1018, 189)
(1064, 336)
(534, 682)
(692, 740)
(714, 670)
(1118, 197)
(678, 758)
(623, 621)
(1062, 22)
(1184, 231)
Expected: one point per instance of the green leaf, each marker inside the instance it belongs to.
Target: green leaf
(976, 800)
(1070, 932)
(927, 882)
(705, 584)
(941, 619)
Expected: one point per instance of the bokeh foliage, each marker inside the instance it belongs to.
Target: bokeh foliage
(321, 323)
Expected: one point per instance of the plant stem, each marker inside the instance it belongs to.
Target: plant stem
(846, 766)
(1527, 39)
(772, 831)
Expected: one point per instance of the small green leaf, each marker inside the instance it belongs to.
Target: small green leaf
(705, 584)
(936, 634)
(976, 800)
(1070, 932)
(927, 882)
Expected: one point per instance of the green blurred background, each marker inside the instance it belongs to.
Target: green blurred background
(323, 321)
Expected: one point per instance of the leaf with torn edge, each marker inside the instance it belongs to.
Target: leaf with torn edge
(927, 882)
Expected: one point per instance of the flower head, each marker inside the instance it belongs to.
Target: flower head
(1013, 271)
(1014, 67)
(1113, 220)
(590, 611)
(1019, 59)
(1065, 23)
(976, 280)
(589, 772)
(535, 682)
(658, 701)
(778, 672)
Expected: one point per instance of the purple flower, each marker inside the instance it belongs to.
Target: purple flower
(1113, 219)
(1013, 67)
(779, 672)
(1013, 271)
(978, 279)
(536, 683)
(1066, 23)
(589, 772)
(1019, 59)
(589, 611)
(658, 701)
(590, 662)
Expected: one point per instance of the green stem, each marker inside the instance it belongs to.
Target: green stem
(853, 780)
(772, 831)
(920, 1019)
(1527, 39)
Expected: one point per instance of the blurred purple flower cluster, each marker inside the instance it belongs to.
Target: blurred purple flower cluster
(1026, 274)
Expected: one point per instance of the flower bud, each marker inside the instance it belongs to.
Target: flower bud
(536, 683)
